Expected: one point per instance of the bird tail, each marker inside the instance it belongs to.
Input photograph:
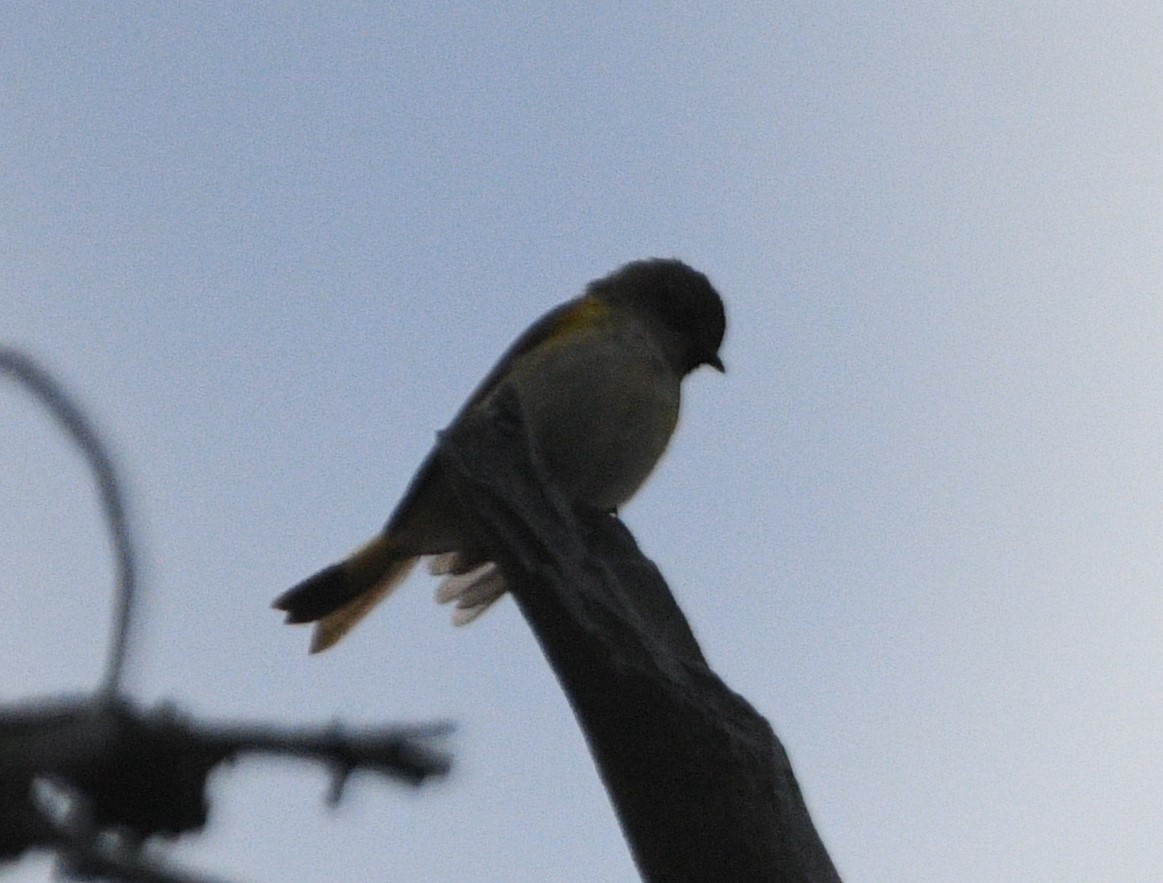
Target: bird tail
(339, 596)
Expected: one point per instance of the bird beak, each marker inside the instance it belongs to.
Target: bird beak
(715, 362)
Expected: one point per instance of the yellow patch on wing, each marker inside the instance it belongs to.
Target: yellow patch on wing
(586, 312)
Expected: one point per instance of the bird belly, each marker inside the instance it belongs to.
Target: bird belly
(600, 431)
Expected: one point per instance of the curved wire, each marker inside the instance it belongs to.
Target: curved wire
(77, 426)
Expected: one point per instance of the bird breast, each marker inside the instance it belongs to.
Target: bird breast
(602, 408)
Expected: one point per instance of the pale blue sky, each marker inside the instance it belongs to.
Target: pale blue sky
(917, 524)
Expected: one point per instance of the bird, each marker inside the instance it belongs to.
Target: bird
(598, 379)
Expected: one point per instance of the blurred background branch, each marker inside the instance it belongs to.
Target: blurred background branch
(22, 368)
(95, 777)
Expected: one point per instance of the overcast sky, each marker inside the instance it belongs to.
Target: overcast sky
(271, 247)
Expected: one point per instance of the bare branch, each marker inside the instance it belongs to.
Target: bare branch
(123, 775)
(145, 773)
(703, 788)
(85, 852)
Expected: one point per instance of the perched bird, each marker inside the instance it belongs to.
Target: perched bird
(598, 381)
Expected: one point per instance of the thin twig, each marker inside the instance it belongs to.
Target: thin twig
(25, 371)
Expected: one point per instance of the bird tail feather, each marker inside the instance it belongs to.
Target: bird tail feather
(338, 597)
